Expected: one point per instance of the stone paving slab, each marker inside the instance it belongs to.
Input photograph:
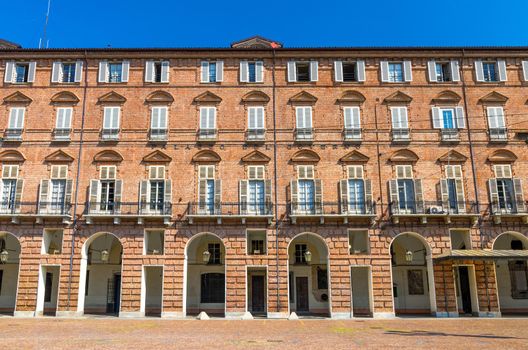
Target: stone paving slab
(404, 333)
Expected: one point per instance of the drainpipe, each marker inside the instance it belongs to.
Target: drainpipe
(378, 157)
(75, 223)
(275, 181)
(474, 171)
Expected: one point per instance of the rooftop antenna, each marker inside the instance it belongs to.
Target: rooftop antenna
(43, 41)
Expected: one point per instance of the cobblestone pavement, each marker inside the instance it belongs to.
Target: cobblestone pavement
(108, 333)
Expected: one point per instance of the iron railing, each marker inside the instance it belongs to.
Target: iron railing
(509, 207)
(61, 134)
(226, 209)
(129, 208)
(352, 134)
(304, 134)
(109, 134)
(207, 134)
(255, 134)
(433, 207)
(498, 134)
(332, 208)
(13, 134)
(34, 208)
(450, 134)
(401, 135)
(158, 134)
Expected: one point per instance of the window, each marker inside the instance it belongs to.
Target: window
(405, 189)
(154, 242)
(352, 123)
(519, 279)
(506, 192)
(448, 118)
(322, 278)
(63, 123)
(452, 189)
(10, 193)
(20, 72)
(207, 122)
(256, 242)
(214, 250)
(52, 242)
(488, 69)
(400, 124)
(256, 190)
(113, 72)
(302, 71)
(156, 188)
(158, 121)
(303, 123)
(395, 72)
(460, 239)
(206, 189)
(251, 72)
(300, 251)
(349, 71)
(66, 72)
(305, 189)
(356, 190)
(496, 124)
(16, 118)
(157, 71)
(443, 72)
(212, 71)
(111, 122)
(358, 241)
(58, 186)
(255, 118)
(212, 288)
(105, 193)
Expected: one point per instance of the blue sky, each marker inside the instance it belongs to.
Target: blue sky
(205, 23)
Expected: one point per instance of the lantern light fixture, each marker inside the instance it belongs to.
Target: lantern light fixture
(206, 255)
(105, 255)
(409, 256)
(308, 256)
(4, 255)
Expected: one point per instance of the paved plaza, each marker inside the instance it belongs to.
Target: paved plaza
(403, 333)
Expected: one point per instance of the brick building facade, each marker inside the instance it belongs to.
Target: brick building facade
(324, 181)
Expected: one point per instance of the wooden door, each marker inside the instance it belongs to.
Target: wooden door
(257, 294)
(301, 292)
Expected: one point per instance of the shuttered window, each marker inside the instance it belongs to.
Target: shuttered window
(107, 172)
(59, 171)
(16, 118)
(303, 117)
(251, 72)
(399, 118)
(156, 172)
(111, 118)
(9, 171)
(159, 118)
(496, 118)
(255, 118)
(404, 172)
(64, 115)
(207, 118)
(352, 117)
(157, 71)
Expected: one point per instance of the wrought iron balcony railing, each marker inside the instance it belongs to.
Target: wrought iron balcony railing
(61, 134)
(509, 207)
(304, 134)
(230, 209)
(450, 135)
(255, 134)
(401, 135)
(110, 134)
(59, 208)
(132, 208)
(332, 208)
(13, 134)
(432, 207)
(158, 135)
(207, 134)
(498, 134)
(352, 134)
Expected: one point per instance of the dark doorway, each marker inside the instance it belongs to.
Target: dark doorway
(301, 291)
(465, 289)
(113, 295)
(257, 294)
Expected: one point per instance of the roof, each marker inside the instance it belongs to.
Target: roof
(483, 254)
(5, 44)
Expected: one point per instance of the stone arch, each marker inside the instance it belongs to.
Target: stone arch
(502, 156)
(397, 276)
(12, 156)
(11, 270)
(517, 235)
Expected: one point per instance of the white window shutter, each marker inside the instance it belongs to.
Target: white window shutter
(407, 71)
(525, 70)
(125, 67)
(437, 120)
(204, 73)
(103, 72)
(78, 71)
(479, 72)
(460, 118)
(501, 64)
(9, 72)
(338, 71)
(356, 119)
(203, 118)
(32, 71)
(431, 67)
(149, 71)
(360, 67)
(259, 71)
(244, 72)
(292, 71)
(219, 71)
(165, 71)
(56, 72)
(455, 70)
(384, 66)
(314, 71)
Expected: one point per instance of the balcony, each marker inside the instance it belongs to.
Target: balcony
(352, 134)
(109, 134)
(498, 135)
(304, 134)
(255, 135)
(226, 211)
(207, 135)
(15, 211)
(401, 135)
(433, 210)
(61, 134)
(511, 209)
(158, 135)
(337, 211)
(118, 211)
(13, 135)
(450, 135)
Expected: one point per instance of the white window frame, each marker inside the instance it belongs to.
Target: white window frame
(109, 113)
(401, 118)
(156, 117)
(16, 118)
(303, 117)
(256, 121)
(64, 114)
(205, 122)
(352, 117)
